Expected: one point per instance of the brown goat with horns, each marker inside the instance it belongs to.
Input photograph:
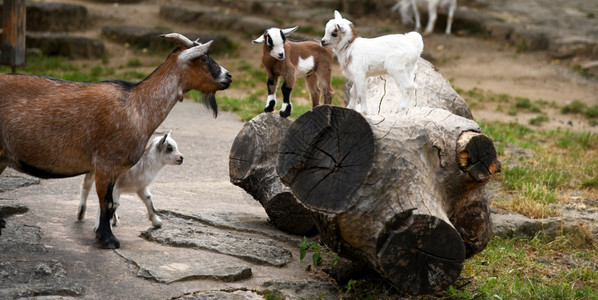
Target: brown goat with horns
(51, 128)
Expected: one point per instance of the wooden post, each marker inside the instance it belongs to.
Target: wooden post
(12, 51)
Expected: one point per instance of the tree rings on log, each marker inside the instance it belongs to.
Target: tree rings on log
(326, 156)
(477, 155)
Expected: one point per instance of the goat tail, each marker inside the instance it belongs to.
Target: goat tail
(416, 39)
(209, 100)
(405, 11)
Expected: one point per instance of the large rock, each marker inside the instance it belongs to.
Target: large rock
(56, 17)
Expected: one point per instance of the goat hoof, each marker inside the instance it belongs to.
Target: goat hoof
(108, 241)
(284, 113)
(270, 106)
(81, 213)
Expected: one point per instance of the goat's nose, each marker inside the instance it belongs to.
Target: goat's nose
(180, 160)
(229, 76)
(323, 43)
(281, 55)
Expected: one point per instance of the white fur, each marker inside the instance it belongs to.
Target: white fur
(410, 9)
(161, 151)
(360, 58)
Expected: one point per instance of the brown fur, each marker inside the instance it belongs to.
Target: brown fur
(70, 128)
(286, 68)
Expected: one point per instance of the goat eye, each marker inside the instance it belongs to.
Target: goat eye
(334, 34)
(169, 148)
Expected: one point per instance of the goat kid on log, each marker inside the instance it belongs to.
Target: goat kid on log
(161, 151)
(289, 59)
(359, 58)
(52, 128)
(409, 9)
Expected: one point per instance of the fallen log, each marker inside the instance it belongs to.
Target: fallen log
(402, 192)
(252, 166)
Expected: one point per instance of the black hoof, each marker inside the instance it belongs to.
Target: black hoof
(108, 242)
(285, 113)
(270, 106)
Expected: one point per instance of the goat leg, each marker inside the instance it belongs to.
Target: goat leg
(286, 108)
(104, 235)
(271, 101)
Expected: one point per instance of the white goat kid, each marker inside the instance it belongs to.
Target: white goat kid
(290, 59)
(161, 151)
(360, 58)
(410, 9)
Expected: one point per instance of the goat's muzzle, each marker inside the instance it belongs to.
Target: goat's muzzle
(179, 160)
(225, 79)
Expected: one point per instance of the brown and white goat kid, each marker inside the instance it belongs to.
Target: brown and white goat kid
(161, 151)
(359, 58)
(290, 59)
(52, 128)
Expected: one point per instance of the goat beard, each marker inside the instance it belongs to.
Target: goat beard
(209, 100)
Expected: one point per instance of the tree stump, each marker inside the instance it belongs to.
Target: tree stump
(252, 166)
(403, 192)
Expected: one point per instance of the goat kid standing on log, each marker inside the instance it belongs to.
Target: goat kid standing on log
(359, 58)
(290, 59)
(52, 128)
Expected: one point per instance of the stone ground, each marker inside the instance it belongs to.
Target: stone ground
(215, 237)
(216, 241)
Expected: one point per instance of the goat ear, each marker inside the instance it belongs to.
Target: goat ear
(259, 40)
(337, 15)
(179, 38)
(339, 28)
(288, 31)
(195, 52)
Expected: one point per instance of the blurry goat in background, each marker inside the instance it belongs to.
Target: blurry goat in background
(409, 8)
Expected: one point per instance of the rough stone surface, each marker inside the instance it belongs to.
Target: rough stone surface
(11, 183)
(54, 17)
(192, 234)
(304, 289)
(511, 224)
(140, 37)
(222, 295)
(65, 45)
(173, 265)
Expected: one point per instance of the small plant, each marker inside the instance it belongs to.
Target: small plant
(537, 121)
(575, 107)
(306, 246)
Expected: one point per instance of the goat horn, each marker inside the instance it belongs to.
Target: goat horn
(195, 51)
(181, 39)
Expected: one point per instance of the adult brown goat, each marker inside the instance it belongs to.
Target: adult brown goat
(51, 128)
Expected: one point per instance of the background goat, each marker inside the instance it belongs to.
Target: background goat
(290, 59)
(52, 128)
(360, 58)
(160, 152)
(410, 9)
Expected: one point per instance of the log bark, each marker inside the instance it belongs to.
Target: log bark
(252, 166)
(402, 192)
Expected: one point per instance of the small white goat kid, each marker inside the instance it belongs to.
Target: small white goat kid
(359, 58)
(291, 59)
(161, 151)
(410, 8)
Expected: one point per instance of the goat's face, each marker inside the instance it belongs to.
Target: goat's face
(274, 39)
(338, 31)
(167, 150)
(201, 71)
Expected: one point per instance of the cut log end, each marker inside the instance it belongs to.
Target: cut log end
(424, 255)
(477, 156)
(325, 172)
(290, 216)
